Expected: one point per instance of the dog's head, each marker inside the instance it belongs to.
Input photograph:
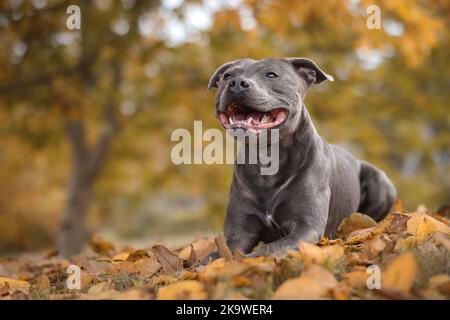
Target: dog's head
(264, 94)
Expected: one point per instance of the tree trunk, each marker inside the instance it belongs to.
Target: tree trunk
(86, 164)
(73, 232)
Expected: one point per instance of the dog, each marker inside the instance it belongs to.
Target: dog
(317, 185)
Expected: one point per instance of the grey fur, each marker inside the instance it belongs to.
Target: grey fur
(318, 184)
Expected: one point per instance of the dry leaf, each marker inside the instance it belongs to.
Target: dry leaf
(443, 239)
(224, 251)
(355, 221)
(224, 291)
(422, 225)
(356, 279)
(314, 283)
(192, 259)
(400, 273)
(4, 291)
(100, 246)
(359, 236)
(147, 266)
(183, 290)
(137, 255)
(319, 255)
(123, 256)
(202, 247)
(398, 223)
(374, 247)
(43, 283)
(14, 284)
(169, 261)
(100, 288)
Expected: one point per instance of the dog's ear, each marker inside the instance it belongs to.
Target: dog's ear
(309, 70)
(216, 76)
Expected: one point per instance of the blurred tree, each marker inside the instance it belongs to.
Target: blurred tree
(77, 77)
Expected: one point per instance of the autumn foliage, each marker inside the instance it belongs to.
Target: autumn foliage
(412, 251)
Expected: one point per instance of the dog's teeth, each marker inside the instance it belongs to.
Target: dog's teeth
(231, 120)
(265, 119)
(248, 121)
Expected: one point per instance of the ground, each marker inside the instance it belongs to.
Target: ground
(405, 256)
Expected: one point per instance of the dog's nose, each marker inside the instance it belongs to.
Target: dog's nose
(238, 85)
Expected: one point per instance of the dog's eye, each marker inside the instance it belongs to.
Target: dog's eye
(226, 76)
(271, 75)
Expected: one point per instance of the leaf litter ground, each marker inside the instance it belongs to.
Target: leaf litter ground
(411, 251)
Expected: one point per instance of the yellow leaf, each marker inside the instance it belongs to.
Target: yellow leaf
(400, 273)
(374, 247)
(121, 256)
(14, 284)
(315, 283)
(355, 221)
(138, 255)
(422, 225)
(183, 290)
(100, 246)
(100, 287)
(356, 279)
(319, 255)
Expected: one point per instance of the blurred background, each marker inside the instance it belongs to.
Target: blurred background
(86, 115)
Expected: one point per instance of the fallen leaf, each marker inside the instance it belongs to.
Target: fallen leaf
(355, 221)
(224, 251)
(183, 290)
(400, 273)
(241, 281)
(100, 246)
(169, 261)
(100, 288)
(123, 256)
(43, 283)
(137, 255)
(315, 283)
(356, 279)
(422, 225)
(359, 236)
(238, 255)
(443, 239)
(398, 224)
(147, 266)
(319, 255)
(4, 290)
(192, 259)
(119, 267)
(225, 291)
(85, 279)
(15, 284)
(202, 247)
(374, 247)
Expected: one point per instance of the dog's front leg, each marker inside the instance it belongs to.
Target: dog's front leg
(308, 224)
(287, 243)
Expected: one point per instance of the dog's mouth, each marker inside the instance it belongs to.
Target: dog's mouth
(238, 116)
